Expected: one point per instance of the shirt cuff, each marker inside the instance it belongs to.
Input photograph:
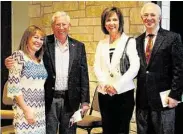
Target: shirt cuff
(84, 104)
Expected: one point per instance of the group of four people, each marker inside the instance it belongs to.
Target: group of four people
(56, 83)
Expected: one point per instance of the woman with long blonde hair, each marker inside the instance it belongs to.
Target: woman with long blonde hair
(26, 83)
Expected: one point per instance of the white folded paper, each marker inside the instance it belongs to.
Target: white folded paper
(164, 96)
(77, 116)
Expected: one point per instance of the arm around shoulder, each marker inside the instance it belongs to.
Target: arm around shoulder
(14, 75)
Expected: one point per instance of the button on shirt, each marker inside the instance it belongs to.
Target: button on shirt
(62, 65)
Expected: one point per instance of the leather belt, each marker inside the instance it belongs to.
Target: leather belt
(59, 94)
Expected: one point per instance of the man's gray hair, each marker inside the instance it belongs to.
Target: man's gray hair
(60, 14)
(158, 9)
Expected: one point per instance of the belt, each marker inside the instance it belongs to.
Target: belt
(59, 94)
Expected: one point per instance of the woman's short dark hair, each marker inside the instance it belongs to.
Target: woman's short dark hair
(108, 12)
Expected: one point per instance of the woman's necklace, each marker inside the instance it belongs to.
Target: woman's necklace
(31, 55)
(33, 58)
(113, 39)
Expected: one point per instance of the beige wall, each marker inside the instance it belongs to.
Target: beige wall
(85, 21)
(20, 21)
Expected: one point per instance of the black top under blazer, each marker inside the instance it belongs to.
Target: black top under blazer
(78, 81)
(164, 71)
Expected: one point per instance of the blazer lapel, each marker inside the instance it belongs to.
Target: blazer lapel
(51, 49)
(72, 51)
(105, 52)
(157, 44)
(106, 55)
(141, 44)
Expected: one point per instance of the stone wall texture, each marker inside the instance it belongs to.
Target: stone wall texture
(85, 21)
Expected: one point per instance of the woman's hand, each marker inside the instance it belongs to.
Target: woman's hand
(29, 115)
(110, 90)
(101, 88)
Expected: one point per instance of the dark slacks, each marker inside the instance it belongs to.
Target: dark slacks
(116, 112)
(58, 117)
(155, 122)
(179, 119)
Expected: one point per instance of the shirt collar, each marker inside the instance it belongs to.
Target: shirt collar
(66, 44)
(155, 32)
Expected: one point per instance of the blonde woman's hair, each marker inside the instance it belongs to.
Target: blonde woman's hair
(28, 33)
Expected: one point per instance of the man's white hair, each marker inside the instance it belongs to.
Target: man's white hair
(158, 9)
(60, 14)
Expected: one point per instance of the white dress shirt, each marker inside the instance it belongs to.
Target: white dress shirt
(62, 65)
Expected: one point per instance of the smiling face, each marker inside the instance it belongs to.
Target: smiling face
(61, 27)
(35, 42)
(112, 24)
(150, 17)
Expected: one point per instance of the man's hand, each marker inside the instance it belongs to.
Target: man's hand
(172, 102)
(84, 108)
(9, 62)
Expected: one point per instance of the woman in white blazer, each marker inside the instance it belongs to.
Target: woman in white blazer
(116, 91)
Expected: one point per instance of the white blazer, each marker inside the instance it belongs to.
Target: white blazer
(103, 68)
